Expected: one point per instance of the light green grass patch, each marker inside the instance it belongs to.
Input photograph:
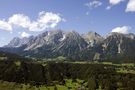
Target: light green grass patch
(61, 87)
(50, 87)
(17, 63)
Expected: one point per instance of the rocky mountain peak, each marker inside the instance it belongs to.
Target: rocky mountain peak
(15, 42)
(131, 35)
(92, 38)
(71, 44)
(18, 42)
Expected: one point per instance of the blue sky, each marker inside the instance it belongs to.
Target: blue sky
(101, 16)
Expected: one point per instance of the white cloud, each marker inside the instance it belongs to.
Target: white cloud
(24, 34)
(131, 6)
(123, 29)
(93, 4)
(5, 25)
(19, 20)
(44, 21)
(113, 2)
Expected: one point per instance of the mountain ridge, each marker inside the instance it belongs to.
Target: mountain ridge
(73, 45)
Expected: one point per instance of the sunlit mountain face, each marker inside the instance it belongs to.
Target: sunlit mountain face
(74, 46)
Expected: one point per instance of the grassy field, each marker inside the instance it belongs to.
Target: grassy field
(120, 68)
(70, 85)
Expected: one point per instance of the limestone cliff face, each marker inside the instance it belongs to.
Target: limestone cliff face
(72, 45)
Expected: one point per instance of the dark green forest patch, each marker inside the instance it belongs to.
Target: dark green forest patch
(90, 76)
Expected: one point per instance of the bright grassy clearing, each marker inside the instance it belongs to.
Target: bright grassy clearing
(125, 71)
(61, 87)
(17, 63)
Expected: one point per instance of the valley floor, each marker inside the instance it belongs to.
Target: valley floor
(79, 85)
(38, 75)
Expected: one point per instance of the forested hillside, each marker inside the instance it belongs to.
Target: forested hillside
(93, 76)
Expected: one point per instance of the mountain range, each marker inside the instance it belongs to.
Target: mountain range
(75, 46)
